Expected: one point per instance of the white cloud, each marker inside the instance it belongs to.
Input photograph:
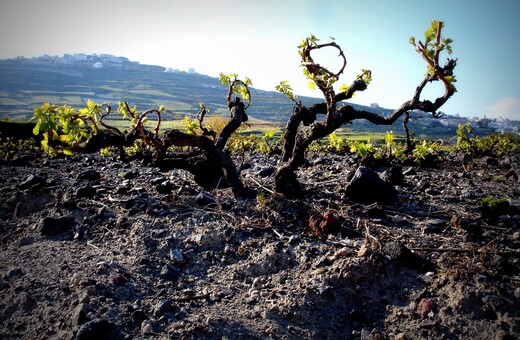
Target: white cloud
(507, 108)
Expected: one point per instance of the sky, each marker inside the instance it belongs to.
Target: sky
(259, 39)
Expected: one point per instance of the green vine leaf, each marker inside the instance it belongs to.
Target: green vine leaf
(285, 88)
(344, 88)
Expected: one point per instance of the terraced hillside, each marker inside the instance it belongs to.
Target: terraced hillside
(27, 83)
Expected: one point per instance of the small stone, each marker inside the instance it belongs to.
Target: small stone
(79, 316)
(162, 307)
(514, 206)
(326, 224)
(343, 252)
(90, 175)
(428, 323)
(373, 334)
(393, 175)
(122, 189)
(183, 311)
(432, 191)
(320, 271)
(434, 226)
(84, 297)
(257, 283)
(50, 226)
(147, 327)
(423, 185)
(401, 336)
(176, 256)
(165, 187)
(129, 175)
(75, 280)
(96, 329)
(396, 250)
(398, 219)
(118, 279)
(86, 192)
(479, 278)
(169, 273)
(400, 253)
(428, 277)
(204, 198)
(458, 222)
(267, 172)
(138, 316)
(466, 193)
(31, 181)
(13, 272)
(158, 233)
(491, 161)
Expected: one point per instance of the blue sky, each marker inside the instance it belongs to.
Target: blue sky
(258, 39)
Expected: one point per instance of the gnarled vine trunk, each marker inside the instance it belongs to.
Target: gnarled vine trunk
(211, 166)
(209, 161)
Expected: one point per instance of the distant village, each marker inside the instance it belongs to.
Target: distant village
(95, 60)
(424, 119)
(98, 61)
(498, 125)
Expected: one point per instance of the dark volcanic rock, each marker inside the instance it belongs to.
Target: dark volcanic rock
(90, 175)
(169, 273)
(56, 225)
(367, 187)
(204, 198)
(79, 316)
(31, 181)
(267, 172)
(402, 255)
(393, 175)
(434, 226)
(97, 329)
(86, 192)
(165, 187)
(162, 307)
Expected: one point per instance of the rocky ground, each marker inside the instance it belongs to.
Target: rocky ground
(94, 248)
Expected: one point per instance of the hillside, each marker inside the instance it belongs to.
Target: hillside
(74, 79)
(27, 83)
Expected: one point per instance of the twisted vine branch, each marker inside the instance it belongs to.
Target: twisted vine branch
(297, 141)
